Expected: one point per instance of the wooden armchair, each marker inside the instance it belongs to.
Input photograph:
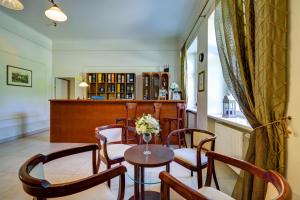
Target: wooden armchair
(111, 150)
(207, 192)
(32, 177)
(193, 158)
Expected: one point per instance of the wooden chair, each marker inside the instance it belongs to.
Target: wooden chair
(129, 120)
(193, 158)
(111, 150)
(32, 177)
(179, 120)
(156, 114)
(208, 192)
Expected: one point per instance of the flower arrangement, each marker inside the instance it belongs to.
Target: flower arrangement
(147, 125)
(174, 86)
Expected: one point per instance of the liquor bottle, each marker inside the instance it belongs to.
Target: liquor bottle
(90, 78)
(131, 78)
(146, 81)
(118, 88)
(113, 78)
(128, 78)
(99, 78)
(112, 88)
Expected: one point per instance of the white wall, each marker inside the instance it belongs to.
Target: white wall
(202, 96)
(71, 58)
(293, 159)
(23, 110)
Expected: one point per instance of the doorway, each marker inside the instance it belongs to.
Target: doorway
(64, 88)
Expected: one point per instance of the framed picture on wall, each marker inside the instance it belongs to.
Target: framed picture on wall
(201, 81)
(19, 76)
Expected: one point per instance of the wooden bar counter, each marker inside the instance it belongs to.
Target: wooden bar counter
(75, 120)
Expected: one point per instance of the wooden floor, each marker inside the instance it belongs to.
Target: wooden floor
(13, 154)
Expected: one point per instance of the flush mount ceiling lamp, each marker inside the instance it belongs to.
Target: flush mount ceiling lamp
(12, 4)
(55, 13)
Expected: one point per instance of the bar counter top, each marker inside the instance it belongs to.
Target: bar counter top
(76, 120)
(117, 101)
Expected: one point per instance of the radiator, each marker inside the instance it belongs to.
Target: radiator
(231, 142)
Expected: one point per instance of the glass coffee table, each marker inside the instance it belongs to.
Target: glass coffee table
(160, 156)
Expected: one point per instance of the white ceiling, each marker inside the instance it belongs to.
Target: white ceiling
(111, 19)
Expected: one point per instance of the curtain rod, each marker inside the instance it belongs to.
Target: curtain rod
(200, 15)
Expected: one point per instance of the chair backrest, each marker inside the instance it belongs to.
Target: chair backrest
(271, 177)
(113, 132)
(180, 110)
(180, 133)
(157, 109)
(31, 174)
(131, 109)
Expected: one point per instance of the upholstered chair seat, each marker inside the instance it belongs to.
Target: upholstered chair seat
(213, 193)
(115, 151)
(189, 156)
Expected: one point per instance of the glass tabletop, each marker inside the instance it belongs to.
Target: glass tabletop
(151, 175)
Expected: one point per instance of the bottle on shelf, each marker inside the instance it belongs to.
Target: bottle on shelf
(112, 88)
(112, 78)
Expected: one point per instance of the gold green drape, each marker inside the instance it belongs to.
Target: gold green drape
(183, 70)
(252, 43)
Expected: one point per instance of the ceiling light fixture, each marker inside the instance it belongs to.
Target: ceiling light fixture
(12, 4)
(55, 13)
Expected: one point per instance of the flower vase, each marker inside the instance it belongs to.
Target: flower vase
(147, 137)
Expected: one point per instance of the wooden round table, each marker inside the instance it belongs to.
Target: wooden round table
(159, 156)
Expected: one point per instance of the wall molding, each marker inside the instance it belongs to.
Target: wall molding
(46, 45)
(9, 139)
(23, 57)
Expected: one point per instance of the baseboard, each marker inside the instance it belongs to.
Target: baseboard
(9, 139)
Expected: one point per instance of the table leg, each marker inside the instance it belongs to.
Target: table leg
(136, 184)
(142, 183)
(168, 168)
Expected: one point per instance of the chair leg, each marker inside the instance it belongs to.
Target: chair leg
(215, 178)
(199, 177)
(192, 174)
(108, 182)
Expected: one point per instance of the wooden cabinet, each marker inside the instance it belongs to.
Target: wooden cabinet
(111, 86)
(153, 82)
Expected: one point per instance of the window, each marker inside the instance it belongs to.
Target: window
(217, 88)
(191, 76)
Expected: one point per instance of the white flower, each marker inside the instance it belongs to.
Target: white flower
(147, 125)
(174, 86)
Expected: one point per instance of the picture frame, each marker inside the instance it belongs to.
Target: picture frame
(201, 81)
(17, 76)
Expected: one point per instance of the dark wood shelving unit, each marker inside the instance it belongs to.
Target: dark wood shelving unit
(112, 85)
(153, 82)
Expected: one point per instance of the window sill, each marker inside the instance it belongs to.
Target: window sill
(234, 121)
(192, 110)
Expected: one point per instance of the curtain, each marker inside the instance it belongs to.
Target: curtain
(183, 71)
(252, 44)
